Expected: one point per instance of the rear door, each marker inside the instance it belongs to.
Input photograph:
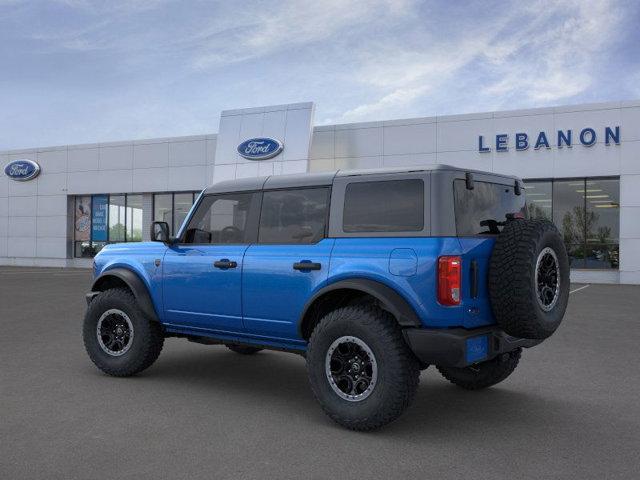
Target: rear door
(289, 261)
(202, 274)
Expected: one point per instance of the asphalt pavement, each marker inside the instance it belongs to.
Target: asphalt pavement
(570, 410)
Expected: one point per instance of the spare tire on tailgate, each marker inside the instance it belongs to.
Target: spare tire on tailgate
(529, 278)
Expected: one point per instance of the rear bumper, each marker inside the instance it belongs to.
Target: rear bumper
(459, 347)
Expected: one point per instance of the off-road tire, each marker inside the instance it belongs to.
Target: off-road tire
(243, 349)
(147, 342)
(398, 369)
(512, 279)
(485, 374)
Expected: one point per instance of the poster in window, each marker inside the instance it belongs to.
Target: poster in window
(83, 219)
(99, 218)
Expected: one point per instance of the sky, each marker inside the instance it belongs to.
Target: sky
(80, 71)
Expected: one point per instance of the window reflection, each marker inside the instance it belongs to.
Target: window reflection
(162, 209)
(603, 223)
(181, 205)
(102, 219)
(172, 208)
(134, 218)
(539, 199)
(117, 218)
(587, 214)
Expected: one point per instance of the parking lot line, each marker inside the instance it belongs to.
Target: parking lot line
(579, 288)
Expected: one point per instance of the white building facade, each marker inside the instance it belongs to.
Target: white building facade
(581, 165)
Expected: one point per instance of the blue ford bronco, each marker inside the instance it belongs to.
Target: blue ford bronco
(370, 275)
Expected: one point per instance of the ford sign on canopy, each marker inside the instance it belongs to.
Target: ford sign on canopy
(260, 148)
(22, 170)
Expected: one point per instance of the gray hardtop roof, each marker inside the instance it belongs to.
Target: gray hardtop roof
(326, 178)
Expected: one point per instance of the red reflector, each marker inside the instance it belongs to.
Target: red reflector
(449, 279)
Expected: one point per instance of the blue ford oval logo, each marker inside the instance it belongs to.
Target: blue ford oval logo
(260, 148)
(22, 170)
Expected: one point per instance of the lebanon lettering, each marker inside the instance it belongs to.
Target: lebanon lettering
(562, 139)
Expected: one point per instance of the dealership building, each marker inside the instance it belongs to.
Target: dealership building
(581, 165)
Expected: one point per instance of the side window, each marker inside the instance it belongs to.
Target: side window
(384, 206)
(294, 216)
(223, 219)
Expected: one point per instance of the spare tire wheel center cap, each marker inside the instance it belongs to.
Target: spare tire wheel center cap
(547, 278)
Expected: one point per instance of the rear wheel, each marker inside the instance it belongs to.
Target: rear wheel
(118, 337)
(485, 374)
(361, 371)
(243, 349)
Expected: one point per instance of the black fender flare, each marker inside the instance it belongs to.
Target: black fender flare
(135, 284)
(389, 299)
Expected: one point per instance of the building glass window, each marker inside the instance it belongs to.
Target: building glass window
(587, 214)
(134, 218)
(539, 199)
(173, 208)
(82, 227)
(117, 218)
(569, 217)
(182, 203)
(603, 223)
(103, 219)
(163, 209)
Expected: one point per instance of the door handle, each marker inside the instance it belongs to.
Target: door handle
(306, 265)
(225, 263)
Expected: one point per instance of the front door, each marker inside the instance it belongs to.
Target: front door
(289, 261)
(202, 274)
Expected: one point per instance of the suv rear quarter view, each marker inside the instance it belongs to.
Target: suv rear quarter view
(371, 275)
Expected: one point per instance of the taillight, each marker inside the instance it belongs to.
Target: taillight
(449, 280)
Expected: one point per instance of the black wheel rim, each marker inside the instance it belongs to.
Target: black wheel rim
(351, 368)
(114, 332)
(547, 279)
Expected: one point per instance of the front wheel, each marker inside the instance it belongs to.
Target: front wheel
(484, 374)
(361, 371)
(118, 337)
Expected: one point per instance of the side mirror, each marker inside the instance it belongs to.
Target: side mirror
(160, 232)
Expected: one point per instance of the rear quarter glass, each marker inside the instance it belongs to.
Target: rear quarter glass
(480, 211)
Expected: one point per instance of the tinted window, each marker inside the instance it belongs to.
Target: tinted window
(222, 219)
(387, 206)
(483, 209)
(294, 216)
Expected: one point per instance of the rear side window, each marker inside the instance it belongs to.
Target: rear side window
(294, 216)
(384, 206)
(483, 210)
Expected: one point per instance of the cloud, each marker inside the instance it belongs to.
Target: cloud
(541, 53)
(260, 32)
(553, 61)
(84, 71)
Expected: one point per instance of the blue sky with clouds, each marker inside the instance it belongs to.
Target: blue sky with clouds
(80, 71)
